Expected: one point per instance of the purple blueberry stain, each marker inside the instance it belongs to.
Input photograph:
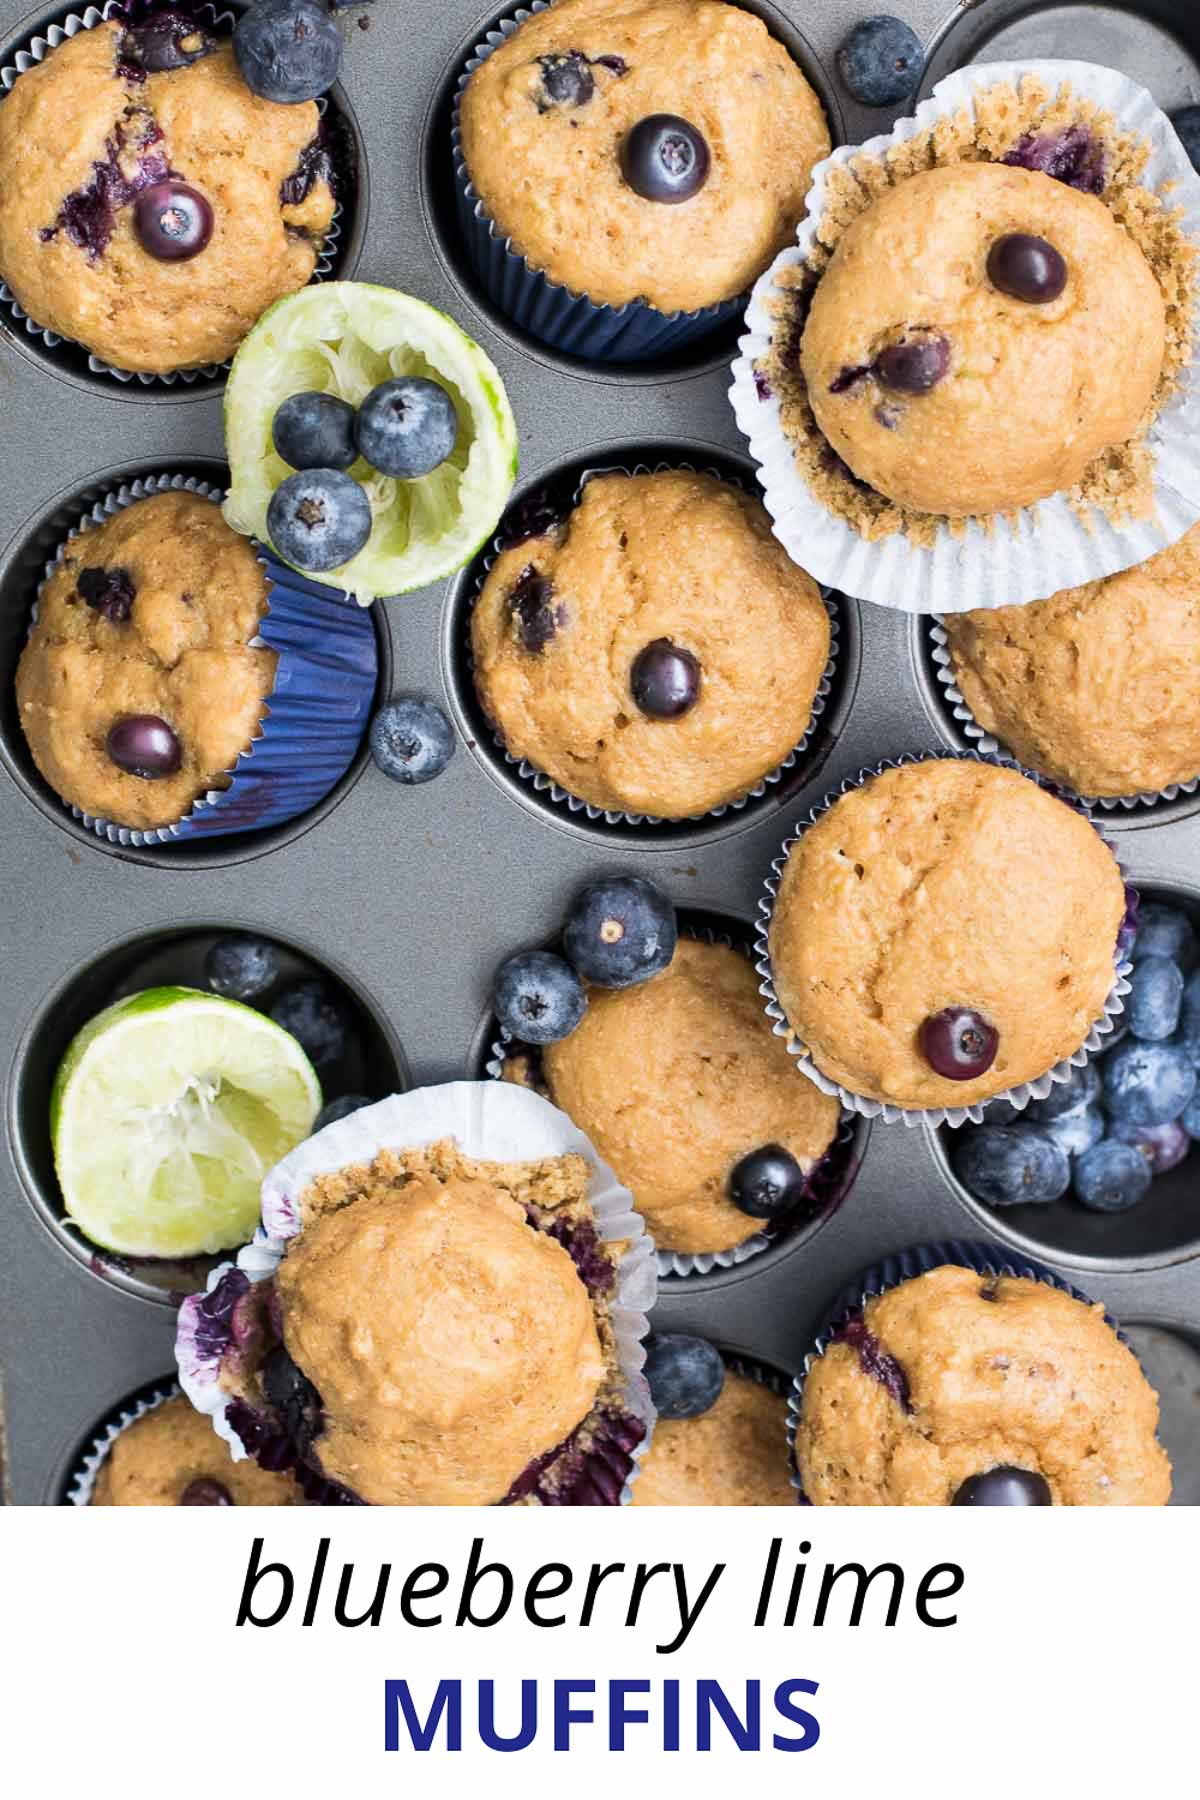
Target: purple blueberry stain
(849, 377)
(110, 592)
(874, 1360)
(583, 1246)
(762, 386)
(213, 1314)
(538, 619)
(166, 41)
(88, 215)
(315, 164)
(1073, 156)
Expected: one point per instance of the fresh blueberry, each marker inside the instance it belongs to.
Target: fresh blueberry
(1163, 1146)
(1189, 1118)
(685, 1373)
(316, 1019)
(1155, 998)
(538, 997)
(173, 222)
(1004, 1486)
(144, 745)
(1002, 1112)
(287, 50)
(412, 740)
(1147, 1084)
(620, 932)
(1011, 1165)
(1081, 1088)
(958, 1043)
(1026, 268)
(1166, 931)
(340, 1109)
(1188, 1035)
(240, 967)
(406, 427)
(110, 592)
(665, 680)
(204, 1491)
(1111, 1177)
(1187, 127)
(665, 159)
(915, 365)
(1075, 1132)
(319, 519)
(315, 431)
(768, 1183)
(165, 41)
(881, 61)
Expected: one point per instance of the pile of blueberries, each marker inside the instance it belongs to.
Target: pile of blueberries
(1127, 1116)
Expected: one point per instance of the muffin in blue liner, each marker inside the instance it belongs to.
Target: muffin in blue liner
(738, 1450)
(228, 1332)
(843, 1321)
(317, 712)
(1020, 1095)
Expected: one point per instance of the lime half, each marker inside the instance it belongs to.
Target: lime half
(344, 338)
(167, 1111)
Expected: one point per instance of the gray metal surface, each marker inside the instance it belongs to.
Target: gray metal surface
(412, 896)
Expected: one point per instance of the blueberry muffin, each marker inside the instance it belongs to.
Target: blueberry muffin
(172, 1457)
(653, 150)
(656, 651)
(735, 1454)
(139, 685)
(1099, 686)
(151, 206)
(682, 1086)
(945, 931)
(956, 1388)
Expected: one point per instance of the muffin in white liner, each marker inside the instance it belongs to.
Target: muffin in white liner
(1036, 551)
(1018, 1096)
(492, 1121)
(81, 1480)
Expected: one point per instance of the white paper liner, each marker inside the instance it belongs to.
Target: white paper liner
(990, 746)
(492, 1121)
(1044, 548)
(82, 1479)
(1020, 1095)
(545, 784)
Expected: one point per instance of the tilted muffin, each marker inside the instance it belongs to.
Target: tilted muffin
(735, 1454)
(676, 1081)
(942, 909)
(1099, 686)
(171, 1457)
(956, 374)
(968, 1389)
(549, 143)
(142, 650)
(93, 139)
(655, 652)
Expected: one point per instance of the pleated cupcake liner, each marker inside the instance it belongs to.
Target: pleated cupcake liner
(493, 1122)
(987, 1259)
(34, 51)
(553, 790)
(962, 716)
(570, 322)
(1040, 549)
(317, 712)
(80, 1483)
(1019, 1095)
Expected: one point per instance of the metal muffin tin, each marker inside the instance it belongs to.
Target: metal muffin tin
(411, 897)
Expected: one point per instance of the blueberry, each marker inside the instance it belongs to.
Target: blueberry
(173, 222)
(340, 1109)
(1075, 1132)
(1081, 1088)
(110, 592)
(1166, 931)
(240, 967)
(407, 427)
(412, 740)
(144, 745)
(1011, 1165)
(203, 1491)
(1002, 1112)
(665, 680)
(1073, 156)
(1187, 126)
(165, 41)
(538, 997)
(1155, 998)
(1147, 1084)
(287, 50)
(293, 1395)
(915, 365)
(1111, 1177)
(567, 79)
(1188, 1035)
(665, 159)
(881, 61)
(958, 1043)
(316, 1019)
(318, 519)
(1026, 268)
(620, 932)
(1004, 1486)
(315, 431)
(1189, 1118)
(685, 1373)
(1163, 1146)
(768, 1183)
(532, 607)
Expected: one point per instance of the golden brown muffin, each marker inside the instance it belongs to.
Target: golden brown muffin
(173, 598)
(953, 1374)
(944, 884)
(675, 557)
(174, 1449)
(675, 1081)
(1031, 393)
(1099, 686)
(549, 172)
(735, 1454)
(83, 132)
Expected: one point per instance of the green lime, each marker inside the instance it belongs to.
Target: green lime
(167, 1111)
(344, 338)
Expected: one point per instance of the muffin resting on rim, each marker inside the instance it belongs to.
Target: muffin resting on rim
(735, 1454)
(171, 1457)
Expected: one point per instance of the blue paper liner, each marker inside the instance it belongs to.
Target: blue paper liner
(570, 322)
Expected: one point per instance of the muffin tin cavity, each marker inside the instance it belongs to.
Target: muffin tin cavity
(557, 489)
(1171, 1359)
(373, 1064)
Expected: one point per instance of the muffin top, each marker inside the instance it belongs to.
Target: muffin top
(953, 1374)
(943, 390)
(671, 588)
(546, 117)
(676, 1080)
(87, 131)
(735, 1454)
(173, 1457)
(947, 884)
(1098, 686)
(149, 614)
